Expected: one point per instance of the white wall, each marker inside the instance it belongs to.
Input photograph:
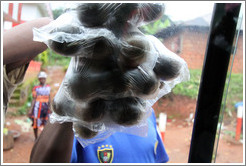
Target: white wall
(5, 7)
(30, 12)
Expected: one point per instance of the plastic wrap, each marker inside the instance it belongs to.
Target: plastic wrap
(118, 17)
(116, 73)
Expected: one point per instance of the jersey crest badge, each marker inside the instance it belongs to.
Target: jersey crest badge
(105, 153)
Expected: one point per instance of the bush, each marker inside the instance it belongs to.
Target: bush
(43, 57)
(26, 106)
(234, 95)
(56, 59)
(191, 87)
(235, 92)
(50, 58)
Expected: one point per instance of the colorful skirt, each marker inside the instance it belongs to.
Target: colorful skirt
(40, 114)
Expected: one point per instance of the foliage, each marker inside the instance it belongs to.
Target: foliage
(57, 12)
(25, 108)
(56, 59)
(235, 91)
(154, 27)
(191, 88)
(22, 110)
(43, 57)
(50, 58)
(232, 134)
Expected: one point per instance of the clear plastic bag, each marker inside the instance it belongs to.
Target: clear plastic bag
(116, 73)
(116, 16)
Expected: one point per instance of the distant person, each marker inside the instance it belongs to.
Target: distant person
(40, 108)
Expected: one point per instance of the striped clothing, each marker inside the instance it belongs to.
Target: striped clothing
(40, 112)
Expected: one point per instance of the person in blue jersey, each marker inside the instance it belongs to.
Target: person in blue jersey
(57, 143)
(123, 148)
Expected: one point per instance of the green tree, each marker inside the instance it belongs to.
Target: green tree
(43, 57)
(154, 27)
(57, 12)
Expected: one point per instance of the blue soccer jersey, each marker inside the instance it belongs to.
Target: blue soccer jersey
(123, 148)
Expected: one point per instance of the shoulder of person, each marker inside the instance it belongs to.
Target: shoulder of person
(35, 87)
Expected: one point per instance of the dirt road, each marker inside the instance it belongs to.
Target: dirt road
(177, 144)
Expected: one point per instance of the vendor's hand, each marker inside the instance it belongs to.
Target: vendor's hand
(18, 45)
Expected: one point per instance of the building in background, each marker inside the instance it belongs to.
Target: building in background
(17, 13)
(189, 41)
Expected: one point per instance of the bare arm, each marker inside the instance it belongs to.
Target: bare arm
(18, 45)
(49, 103)
(54, 144)
(31, 108)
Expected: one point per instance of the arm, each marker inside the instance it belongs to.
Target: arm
(54, 144)
(49, 104)
(31, 108)
(34, 96)
(18, 45)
